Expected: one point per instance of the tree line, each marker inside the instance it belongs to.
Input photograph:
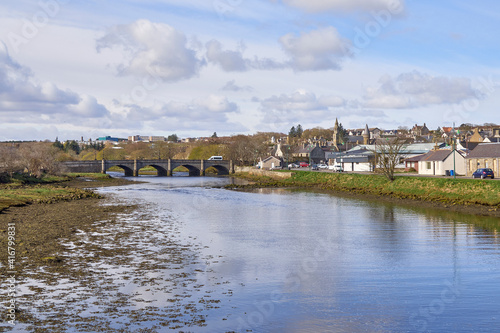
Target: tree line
(34, 159)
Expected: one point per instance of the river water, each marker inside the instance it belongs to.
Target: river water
(277, 260)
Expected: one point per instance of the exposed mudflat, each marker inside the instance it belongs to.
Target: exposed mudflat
(98, 265)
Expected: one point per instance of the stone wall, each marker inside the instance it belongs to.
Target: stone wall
(260, 172)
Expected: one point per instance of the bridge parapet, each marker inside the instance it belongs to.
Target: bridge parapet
(163, 167)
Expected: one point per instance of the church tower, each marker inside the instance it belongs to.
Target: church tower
(336, 134)
(366, 135)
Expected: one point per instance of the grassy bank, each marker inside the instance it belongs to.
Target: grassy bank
(21, 191)
(444, 190)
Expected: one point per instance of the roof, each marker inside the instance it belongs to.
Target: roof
(270, 158)
(414, 148)
(436, 155)
(354, 159)
(486, 150)
(415, 158)
(469, 145)
(308, 148)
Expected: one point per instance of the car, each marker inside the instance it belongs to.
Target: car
(483, 173)
(314, 167)
(293, 165)
(322, 166)
(304, 164)
(338, 168)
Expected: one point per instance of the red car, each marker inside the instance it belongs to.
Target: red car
(304, 164)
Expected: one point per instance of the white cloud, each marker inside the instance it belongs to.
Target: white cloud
(301, 100)
(229, 61)
(24, 99)
(155, 49)
(415, 89)
(209, 113)
(321, 49)
(394, 6)
(233, 61)
(232, 86)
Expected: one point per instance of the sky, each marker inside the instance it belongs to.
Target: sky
(74, 68)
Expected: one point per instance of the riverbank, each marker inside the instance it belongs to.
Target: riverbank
(54, 189)
(45, 212)
(75, 262)
(461, 195)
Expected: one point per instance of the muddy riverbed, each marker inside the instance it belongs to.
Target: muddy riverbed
(101, 265)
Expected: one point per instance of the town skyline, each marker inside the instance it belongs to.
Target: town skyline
(233, 67)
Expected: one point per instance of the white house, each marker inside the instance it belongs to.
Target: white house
(410, 150)
(361, 160)
(437, 162)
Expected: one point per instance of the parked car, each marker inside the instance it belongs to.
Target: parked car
(322, 166)
(314, 167)
(304, 164)
(338, 168)
(293, 165)
(483, 173)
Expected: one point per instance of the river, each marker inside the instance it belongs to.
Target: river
(276, 260)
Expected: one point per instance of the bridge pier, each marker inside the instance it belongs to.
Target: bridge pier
(169, 168)
(202, 168)
(135, 172)
(103, 166)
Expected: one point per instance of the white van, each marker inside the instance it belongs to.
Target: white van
(215, 158)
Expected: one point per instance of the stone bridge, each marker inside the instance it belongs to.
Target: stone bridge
(164, 167)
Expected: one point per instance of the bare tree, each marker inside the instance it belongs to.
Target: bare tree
(246, 149)
(9, 158)
(164, 150)
(388, 155)
(38, 158)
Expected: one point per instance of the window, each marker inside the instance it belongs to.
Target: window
(428, 165)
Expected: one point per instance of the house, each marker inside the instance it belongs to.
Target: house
(271, 162)
(485, 155)
(437, 162)
(312, 152)
(495, 137)
(359, 161)
(466, 146)
(281, 150)
(412, 162)
(420, 130)
(476, 137)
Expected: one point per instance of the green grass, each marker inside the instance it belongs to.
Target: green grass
(22, 189)
(22, 195)
(446, 190)
(90, 175)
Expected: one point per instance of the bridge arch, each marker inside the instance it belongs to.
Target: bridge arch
(129, 172)
(221, 170)
(161, 171)
(193, 171)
